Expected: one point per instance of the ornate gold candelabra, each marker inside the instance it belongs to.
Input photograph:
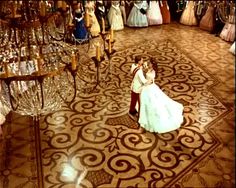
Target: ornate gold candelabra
(108, 44)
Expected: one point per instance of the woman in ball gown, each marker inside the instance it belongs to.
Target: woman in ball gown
(123, 13)
(158, 112)
(95, 28)
(128, 7)
(200, 10)
(165, 12)
(80, 31)
(188, 15)
(219, 24)
(228, 32)
(154, 13)
(115, 16)
(137, 16)
(208, 20)
(101, 13)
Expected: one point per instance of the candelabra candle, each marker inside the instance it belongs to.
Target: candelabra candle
(87, 19)
(59, 4)
(103, 25)
(109, 45)
(73, 61)
(39, 63)
(6, 70)
(64, 5)
(70, 18)
(14, 8)
(112, 35)
(42, 8)
(98, 52)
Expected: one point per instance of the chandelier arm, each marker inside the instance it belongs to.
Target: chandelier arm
(55, 38)
(36, 35)
(14, 108)
(65, 28)
(40, 80)
(2, 33)
(59, 93)
(73, 74)
(61, 39)
(15, 36)
(47, 33)
(63, 33)
(9, 38)
(28, 43)
(43, 34)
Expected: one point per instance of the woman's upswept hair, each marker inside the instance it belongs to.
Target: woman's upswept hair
(154, 64)
(137, 59)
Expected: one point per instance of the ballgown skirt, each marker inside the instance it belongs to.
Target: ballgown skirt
(154, 13)
(115, 18)
(188, 15)
(136, 18)
(80, 30)
(165, 12)
(123, 13)
(208, 20)
(95, 28)
(158, 112)
(228, 32)
(128, 8)
(200, 10)
(232, 48)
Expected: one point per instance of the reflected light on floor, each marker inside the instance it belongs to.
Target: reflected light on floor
(69, 173)
(81, 177)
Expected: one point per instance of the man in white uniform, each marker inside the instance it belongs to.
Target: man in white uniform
(136, 86)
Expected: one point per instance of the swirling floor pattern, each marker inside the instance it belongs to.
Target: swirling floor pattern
(97, 137)
(93, 142)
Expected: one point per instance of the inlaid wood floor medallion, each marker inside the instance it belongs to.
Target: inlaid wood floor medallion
(93, 142)
(94, 137)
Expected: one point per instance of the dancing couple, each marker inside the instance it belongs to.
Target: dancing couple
(156, 111)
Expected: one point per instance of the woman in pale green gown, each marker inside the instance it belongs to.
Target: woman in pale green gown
(158, 112)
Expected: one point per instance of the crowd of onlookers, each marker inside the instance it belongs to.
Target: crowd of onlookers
(216, 17)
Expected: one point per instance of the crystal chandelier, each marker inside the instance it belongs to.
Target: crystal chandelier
(37, 67)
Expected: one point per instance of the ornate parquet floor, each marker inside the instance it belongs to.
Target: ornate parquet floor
(92, 142)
